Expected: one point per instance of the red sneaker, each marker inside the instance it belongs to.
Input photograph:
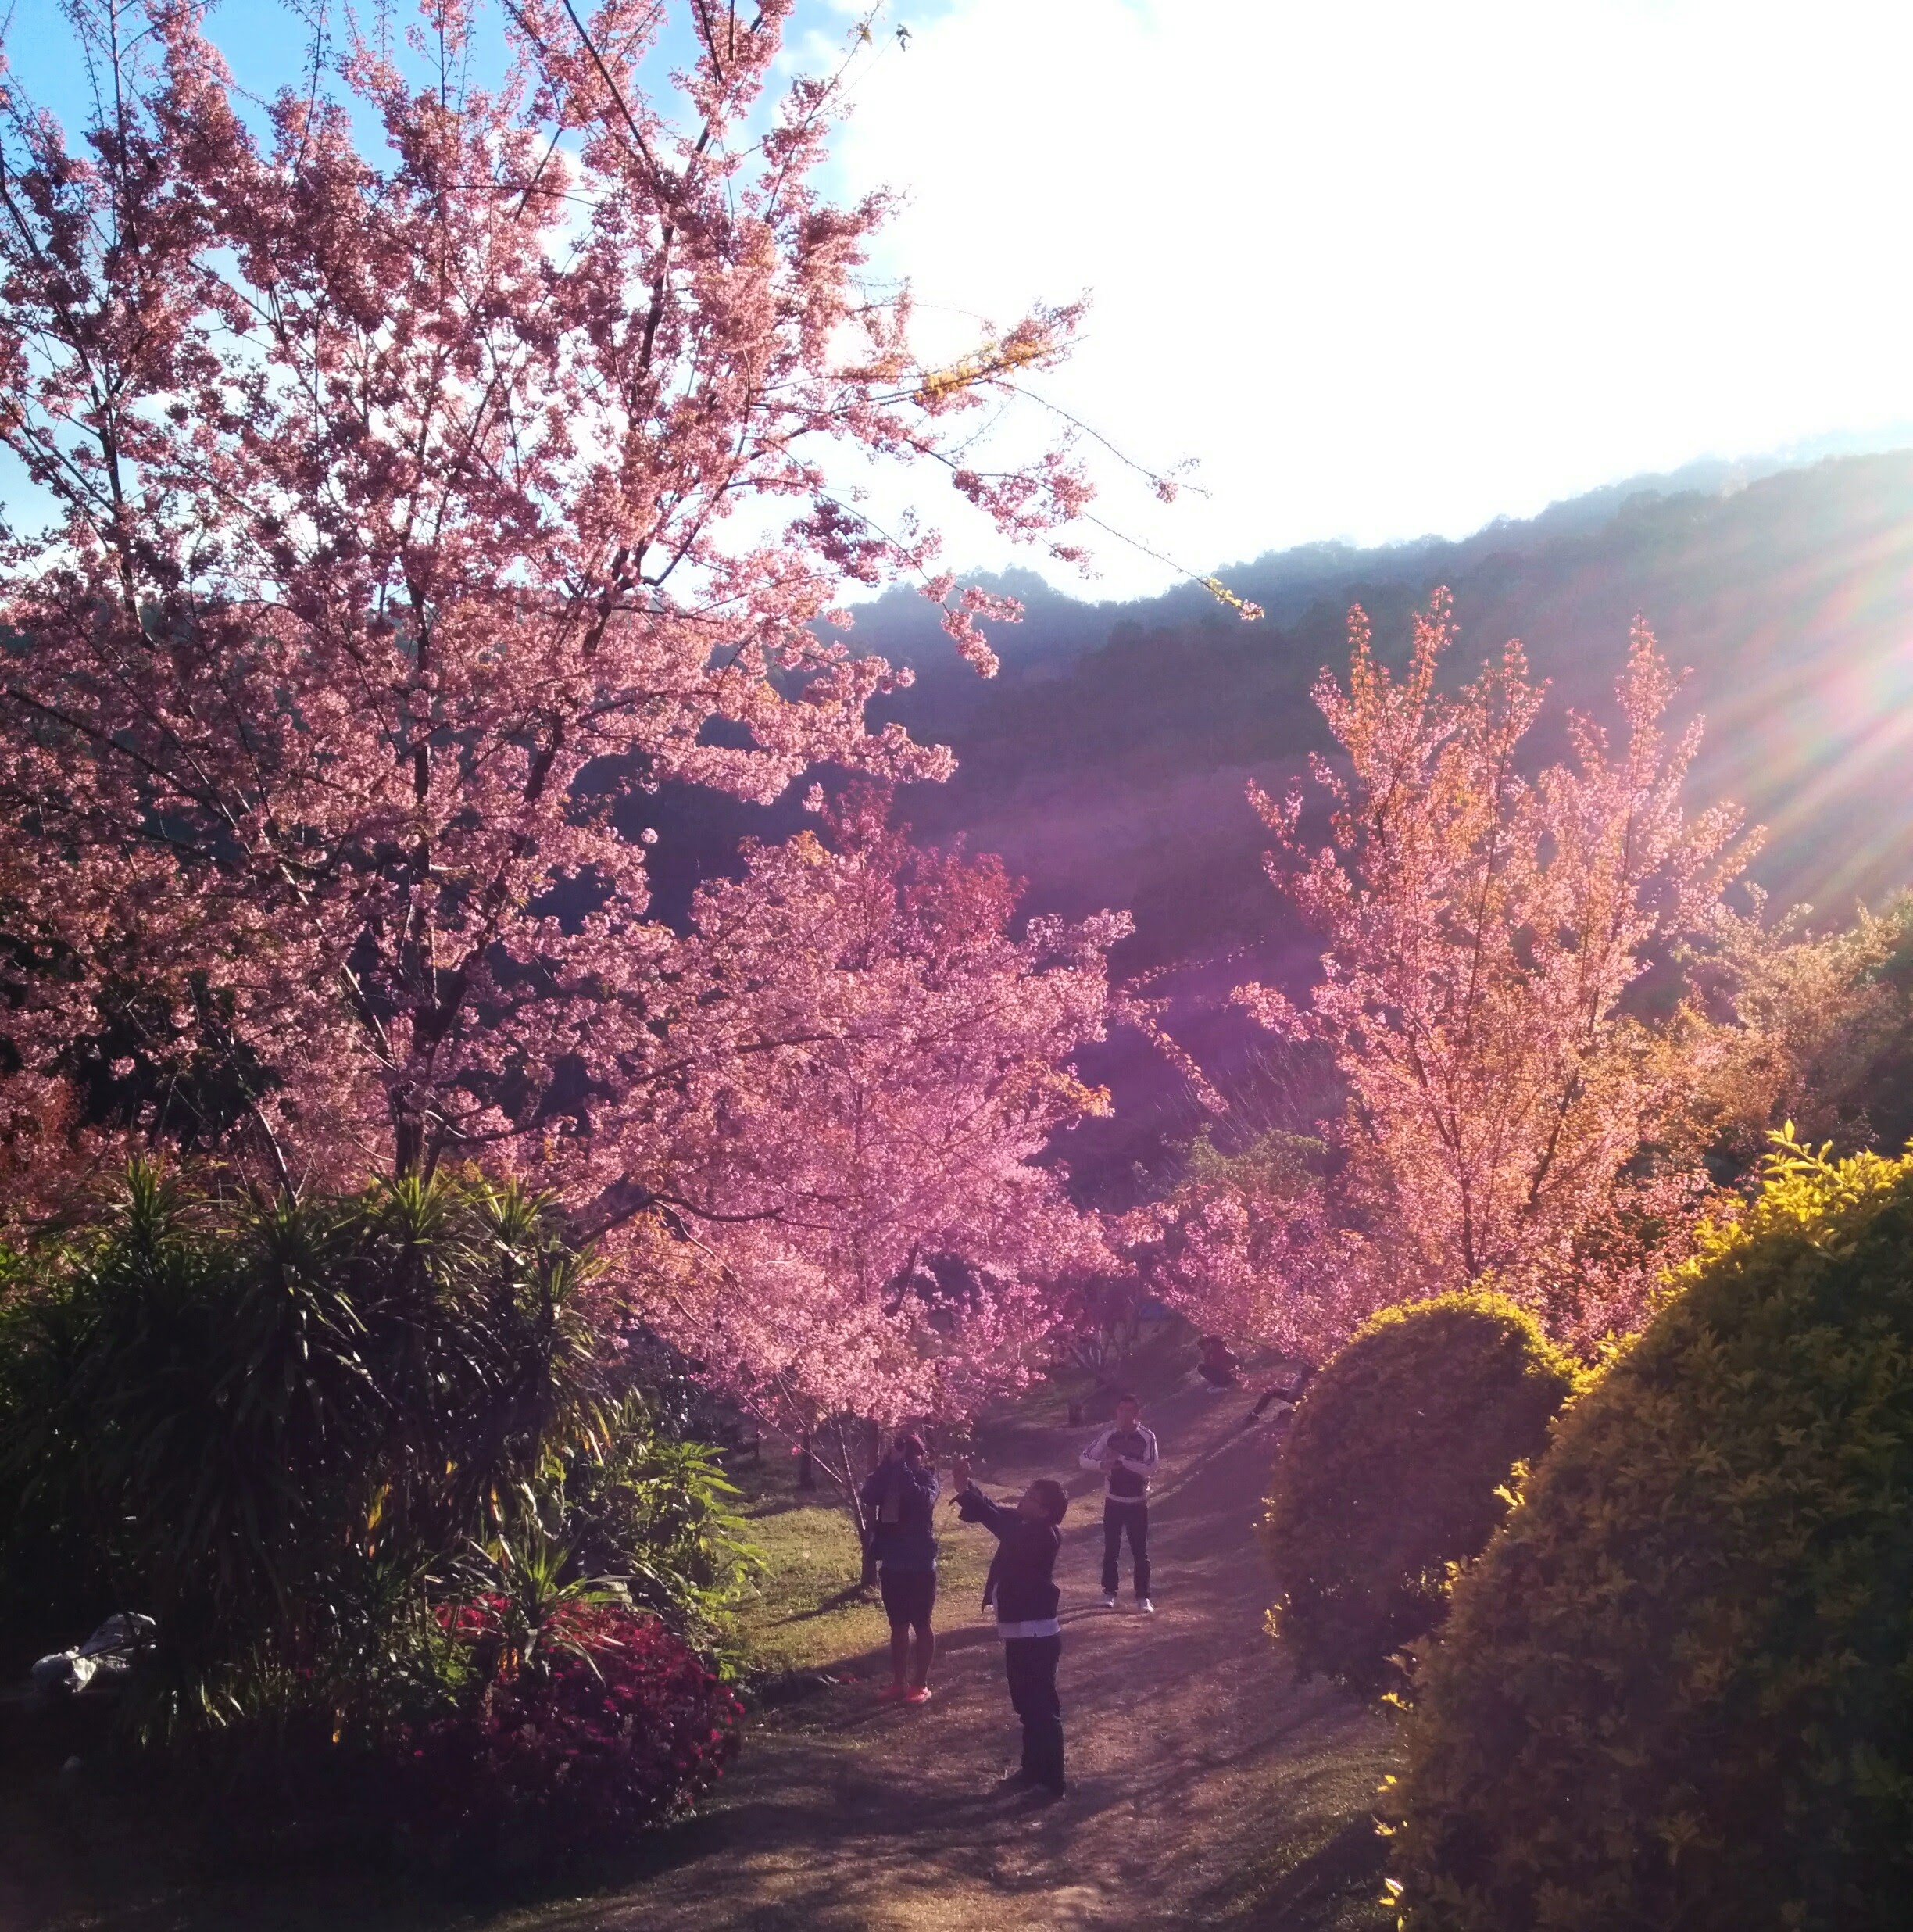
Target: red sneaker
(892, 1693)
(917, 1694)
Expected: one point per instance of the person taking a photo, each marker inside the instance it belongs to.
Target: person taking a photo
(898, 1497)
(1021, 1589)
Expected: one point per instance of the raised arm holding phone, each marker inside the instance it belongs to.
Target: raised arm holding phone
(1022, 1590)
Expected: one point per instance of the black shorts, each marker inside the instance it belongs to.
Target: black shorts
(907, 1595)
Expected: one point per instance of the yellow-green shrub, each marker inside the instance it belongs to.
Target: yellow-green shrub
(1391, 1475)
(1677, 1690)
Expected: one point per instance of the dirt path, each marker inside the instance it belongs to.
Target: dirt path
(1207, 1789)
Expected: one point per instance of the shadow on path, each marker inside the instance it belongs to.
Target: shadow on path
(1206, 1787)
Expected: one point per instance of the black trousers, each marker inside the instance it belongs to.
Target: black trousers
(1117, 1518)
(1030, 1663)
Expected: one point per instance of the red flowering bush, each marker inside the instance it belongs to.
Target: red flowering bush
(602, 1722)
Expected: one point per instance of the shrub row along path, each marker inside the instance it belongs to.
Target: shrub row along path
(1206, 1787)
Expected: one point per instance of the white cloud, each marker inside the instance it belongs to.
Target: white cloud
(1388, 266)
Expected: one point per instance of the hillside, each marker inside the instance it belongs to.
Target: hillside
(1106, 762)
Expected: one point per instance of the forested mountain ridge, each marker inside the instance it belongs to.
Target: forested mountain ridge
(1106, 762)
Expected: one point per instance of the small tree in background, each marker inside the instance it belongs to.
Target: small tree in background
(1821, 1037)
(1231, 1241)
(1511, 1115)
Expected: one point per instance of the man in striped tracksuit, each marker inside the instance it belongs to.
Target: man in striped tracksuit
(1125, 1452)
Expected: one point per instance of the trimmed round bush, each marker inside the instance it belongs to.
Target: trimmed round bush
(1677, 1690)
(612, 1724)
(1395, 1471)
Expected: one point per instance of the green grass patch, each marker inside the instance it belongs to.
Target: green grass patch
(805, 1612)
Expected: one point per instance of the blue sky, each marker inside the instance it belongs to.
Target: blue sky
(1381, 267)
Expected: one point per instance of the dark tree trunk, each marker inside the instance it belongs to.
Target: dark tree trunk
(873, 1445)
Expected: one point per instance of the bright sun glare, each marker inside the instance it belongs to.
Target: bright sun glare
(1388, 268)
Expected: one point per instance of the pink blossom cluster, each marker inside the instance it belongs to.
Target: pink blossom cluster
(417, 514)
(844, 1211)
(1278, 1271)
(1511, 1118)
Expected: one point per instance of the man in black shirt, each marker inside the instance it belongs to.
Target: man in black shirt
(1022, 1589)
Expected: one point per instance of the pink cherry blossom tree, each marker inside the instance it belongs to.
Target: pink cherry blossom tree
(1515, 1112)
(407, 511)
(845, 1216)
(1248, 1247)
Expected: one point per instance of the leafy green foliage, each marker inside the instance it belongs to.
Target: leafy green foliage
(288, 1431)
(1823, 1033)
(632, 1501)
(1395, 1471)
(1676, 1691)
(1275, 1166)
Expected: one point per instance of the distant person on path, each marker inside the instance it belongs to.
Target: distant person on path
(1022, 1587)
(1284, 1393)
(1125, 1452)
(898, 1497)
(1219, 1365)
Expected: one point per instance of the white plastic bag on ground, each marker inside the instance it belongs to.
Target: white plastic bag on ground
(96, 1667)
